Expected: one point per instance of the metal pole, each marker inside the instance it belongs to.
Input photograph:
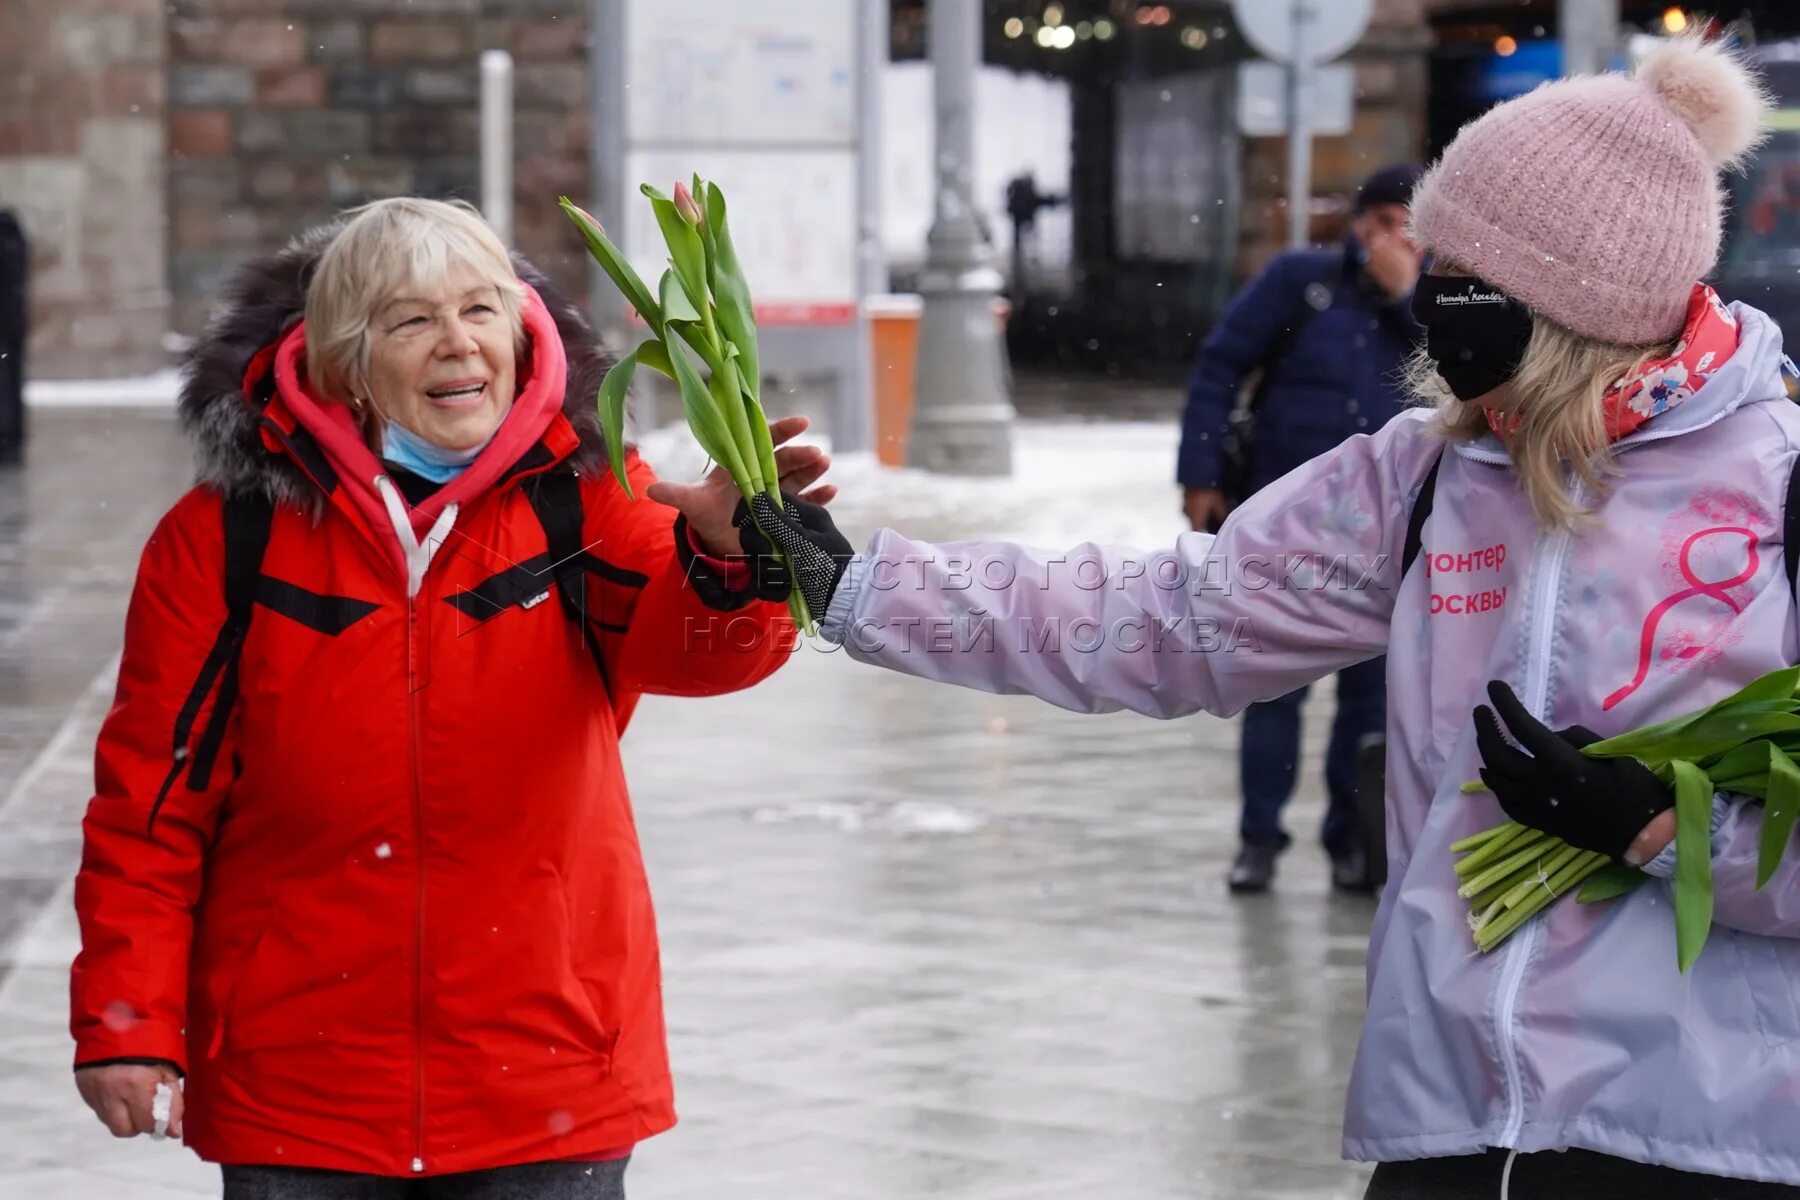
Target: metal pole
(962, 417)
(607, 132)
(871, 265)
(15, 329)
(1300, 72)
(1590, 35)
(497, 142)
(852, 425)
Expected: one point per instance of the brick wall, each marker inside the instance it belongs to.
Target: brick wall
(283, 112)
(81, 160)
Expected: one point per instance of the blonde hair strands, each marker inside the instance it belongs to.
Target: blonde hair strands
(1559, 399)
(385, 248)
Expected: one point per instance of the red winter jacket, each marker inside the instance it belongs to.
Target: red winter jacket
(401, 924)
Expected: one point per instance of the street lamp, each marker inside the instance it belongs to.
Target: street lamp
(962, 417)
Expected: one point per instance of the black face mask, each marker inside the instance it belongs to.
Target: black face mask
(1475, 333)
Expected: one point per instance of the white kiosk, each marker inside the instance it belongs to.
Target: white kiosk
(776, 102)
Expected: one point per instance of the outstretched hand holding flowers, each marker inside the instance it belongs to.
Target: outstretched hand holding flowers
(701, 307)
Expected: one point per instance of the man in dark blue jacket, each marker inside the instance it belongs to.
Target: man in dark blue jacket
(1329, 331)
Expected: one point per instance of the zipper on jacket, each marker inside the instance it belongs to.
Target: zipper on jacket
(413, 664)
(1541, 612)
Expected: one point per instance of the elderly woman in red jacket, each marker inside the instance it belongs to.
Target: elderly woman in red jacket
(361, 888)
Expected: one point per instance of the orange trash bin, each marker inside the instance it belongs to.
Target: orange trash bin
(894, 337)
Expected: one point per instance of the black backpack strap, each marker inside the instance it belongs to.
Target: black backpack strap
(556, 499)
(247, 520)
(1415, 521)
(1790, 534)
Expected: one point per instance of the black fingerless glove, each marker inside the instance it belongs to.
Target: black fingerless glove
(817, 554)
(1598, 804)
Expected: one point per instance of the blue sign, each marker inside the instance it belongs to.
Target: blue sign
(1501, 77)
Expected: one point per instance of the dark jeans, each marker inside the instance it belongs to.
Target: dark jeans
(1269, 753)
(528, 1181)
(1554, 1175)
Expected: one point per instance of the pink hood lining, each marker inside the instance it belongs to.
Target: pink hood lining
(536, 405)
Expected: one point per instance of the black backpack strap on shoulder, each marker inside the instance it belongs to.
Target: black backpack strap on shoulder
(1790, 533)
(556, 499)
(1415, 521)
(247, 519)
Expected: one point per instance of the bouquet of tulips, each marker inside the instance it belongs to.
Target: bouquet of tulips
(701, 306)
(1746, 743)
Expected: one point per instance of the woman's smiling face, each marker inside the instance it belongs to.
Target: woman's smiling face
(442, 363)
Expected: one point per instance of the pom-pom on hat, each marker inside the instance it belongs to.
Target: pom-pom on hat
(1596, 200)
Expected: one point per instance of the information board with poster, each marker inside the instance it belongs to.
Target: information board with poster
(768, 99)
(793, 221)
(728, 72)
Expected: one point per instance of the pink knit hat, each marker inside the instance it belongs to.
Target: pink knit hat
(1596, 200)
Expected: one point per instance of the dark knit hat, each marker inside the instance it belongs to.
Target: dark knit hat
(1392, 184)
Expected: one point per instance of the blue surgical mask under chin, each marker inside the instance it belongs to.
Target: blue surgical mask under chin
(410, 452)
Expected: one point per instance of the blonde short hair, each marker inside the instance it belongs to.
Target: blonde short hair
(1560, 390)
(384, 248)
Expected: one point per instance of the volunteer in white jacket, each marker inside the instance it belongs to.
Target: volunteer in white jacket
(1607, 469)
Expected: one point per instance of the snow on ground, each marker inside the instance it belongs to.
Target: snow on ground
(905, 816)
(156, 390)
(1105, 481)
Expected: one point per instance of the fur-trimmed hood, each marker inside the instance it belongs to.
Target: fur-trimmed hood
(262, 301)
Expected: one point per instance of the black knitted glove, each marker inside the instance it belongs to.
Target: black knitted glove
(1598, 804)
(817, 554)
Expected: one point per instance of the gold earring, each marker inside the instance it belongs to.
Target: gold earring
(356, 405)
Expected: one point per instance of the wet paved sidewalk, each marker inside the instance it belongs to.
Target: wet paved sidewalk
(934, 944)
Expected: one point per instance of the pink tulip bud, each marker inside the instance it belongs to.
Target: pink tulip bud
(684, 204)
(588, 217)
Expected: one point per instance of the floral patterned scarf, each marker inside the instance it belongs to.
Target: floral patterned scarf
(1708, 338)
